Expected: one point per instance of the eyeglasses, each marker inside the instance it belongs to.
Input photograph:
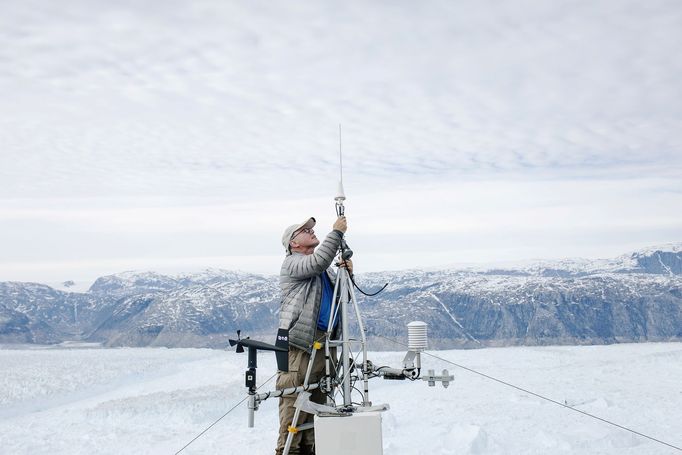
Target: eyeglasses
(306, 230)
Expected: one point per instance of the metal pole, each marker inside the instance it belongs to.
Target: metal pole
(286, 392)
(363, 337)
(345, 346)
(292, 428)
(340, 158)
(252, 408)
(327, 348)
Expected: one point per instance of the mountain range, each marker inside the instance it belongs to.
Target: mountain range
(635, 297)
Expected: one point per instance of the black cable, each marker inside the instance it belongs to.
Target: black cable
(563, 405)
(223, 416)
(361, 394)
(355, 285)
(363, 292)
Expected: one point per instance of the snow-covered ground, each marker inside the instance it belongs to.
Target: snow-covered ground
(85, 401)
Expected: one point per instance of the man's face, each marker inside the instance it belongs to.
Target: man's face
(305, 238)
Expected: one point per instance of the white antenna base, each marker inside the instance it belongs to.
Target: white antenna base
(340, 195)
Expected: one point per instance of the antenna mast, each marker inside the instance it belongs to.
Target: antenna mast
(340, 155)
(340, 195)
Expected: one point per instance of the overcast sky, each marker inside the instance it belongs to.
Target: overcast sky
(179, 135)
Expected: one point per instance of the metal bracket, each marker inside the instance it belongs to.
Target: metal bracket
(445, 378)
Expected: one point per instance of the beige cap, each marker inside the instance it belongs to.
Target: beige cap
(291, 230)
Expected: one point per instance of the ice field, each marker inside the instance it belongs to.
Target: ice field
(154, 401)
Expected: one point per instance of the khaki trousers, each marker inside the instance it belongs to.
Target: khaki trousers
(303, 442)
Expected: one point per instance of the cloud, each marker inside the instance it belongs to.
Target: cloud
(465, 118)
(130, 104)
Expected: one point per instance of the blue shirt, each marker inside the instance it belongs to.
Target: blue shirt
(326, 303)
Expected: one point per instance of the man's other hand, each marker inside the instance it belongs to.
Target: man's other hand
(340, 224)
(347, 264)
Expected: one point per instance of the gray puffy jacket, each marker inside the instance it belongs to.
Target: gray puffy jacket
(301, 287)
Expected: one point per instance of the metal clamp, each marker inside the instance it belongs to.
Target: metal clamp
(445, 378)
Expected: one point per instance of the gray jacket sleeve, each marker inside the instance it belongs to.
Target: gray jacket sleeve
(302, 266)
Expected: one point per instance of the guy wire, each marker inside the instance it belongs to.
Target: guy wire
(563, 405)
(223, 416)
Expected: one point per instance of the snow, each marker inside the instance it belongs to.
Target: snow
(109, 401)
(674, 247)
(70, 286)
(574, 265)
(512, 289)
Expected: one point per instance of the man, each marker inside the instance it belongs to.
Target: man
(307, 284)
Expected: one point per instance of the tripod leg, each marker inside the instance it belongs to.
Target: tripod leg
(292, 428)
(345, 351)
(365, 379)
(327, 350)
(344, 290)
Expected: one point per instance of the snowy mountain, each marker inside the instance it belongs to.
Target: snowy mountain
(635, 297)
(36, 313)
(191, 310)
(470, 310)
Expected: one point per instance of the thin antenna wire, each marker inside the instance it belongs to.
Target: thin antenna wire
(340, 155)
